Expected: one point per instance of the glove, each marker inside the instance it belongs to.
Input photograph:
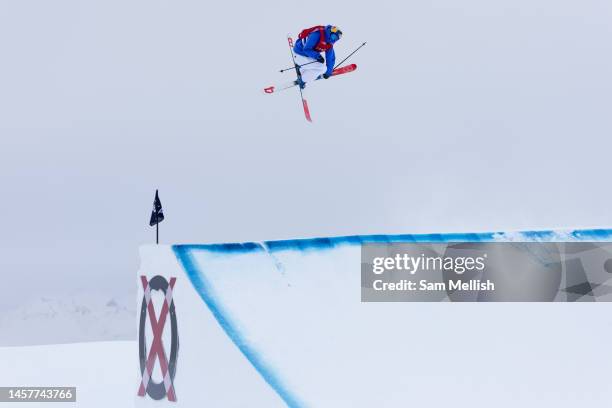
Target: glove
(320, 59)
(326, 75)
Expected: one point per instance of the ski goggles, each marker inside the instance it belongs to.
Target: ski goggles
(336, 34)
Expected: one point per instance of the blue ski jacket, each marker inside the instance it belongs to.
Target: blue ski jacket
(306, 48)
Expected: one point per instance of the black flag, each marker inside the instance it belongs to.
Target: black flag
(157, 215)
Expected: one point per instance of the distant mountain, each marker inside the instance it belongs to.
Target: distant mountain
(82, 318)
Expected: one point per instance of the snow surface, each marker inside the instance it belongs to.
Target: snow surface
(281, 324)
(293, 309)
(101, 371)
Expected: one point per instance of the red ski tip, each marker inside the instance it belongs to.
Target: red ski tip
(306, 110)
(344, 70)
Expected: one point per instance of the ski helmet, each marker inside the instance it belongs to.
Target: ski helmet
(334, 34)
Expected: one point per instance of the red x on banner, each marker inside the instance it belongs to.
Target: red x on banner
(157, 351)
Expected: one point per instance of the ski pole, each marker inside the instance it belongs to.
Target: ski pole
(337, 65)
(299, 66)
(350, 55)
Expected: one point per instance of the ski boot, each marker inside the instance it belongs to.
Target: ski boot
(300, 83)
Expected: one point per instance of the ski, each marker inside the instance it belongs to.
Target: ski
(287, 85)
(299, 77)
(306, 109)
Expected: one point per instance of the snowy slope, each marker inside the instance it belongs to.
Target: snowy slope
(100, 371)
(291, 311)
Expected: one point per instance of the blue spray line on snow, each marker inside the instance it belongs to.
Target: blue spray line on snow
(331, 242)
(206, 292)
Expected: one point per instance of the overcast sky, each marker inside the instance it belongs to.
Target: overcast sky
(471, 115)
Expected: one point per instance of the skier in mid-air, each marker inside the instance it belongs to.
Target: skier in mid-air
(308, 48)
(308, 62)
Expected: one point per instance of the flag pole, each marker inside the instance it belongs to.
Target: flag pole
(157, 216)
